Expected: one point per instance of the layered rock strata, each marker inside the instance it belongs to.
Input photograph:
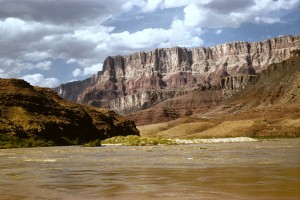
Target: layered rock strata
(142, 79)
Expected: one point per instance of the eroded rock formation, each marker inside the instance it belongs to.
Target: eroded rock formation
(142, 79)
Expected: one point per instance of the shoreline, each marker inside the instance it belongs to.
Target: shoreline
(215, 140)
(178, 141)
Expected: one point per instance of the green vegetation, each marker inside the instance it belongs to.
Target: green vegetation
(94, 143)
(16, 142)
(134, 140)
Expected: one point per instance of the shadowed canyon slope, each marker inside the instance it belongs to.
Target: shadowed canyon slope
(141, 80)
(39, 113)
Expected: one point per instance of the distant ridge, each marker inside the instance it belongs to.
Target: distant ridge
(268, 108)
(143, 79)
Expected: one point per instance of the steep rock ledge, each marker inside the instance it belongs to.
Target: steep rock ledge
(124, 79)
(272, 95)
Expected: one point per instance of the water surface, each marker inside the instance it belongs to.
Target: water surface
(249, 170)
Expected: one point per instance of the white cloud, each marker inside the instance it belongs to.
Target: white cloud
(35, 56)
(3, 74)
(181, 3)
(77, 72)
(13, 68)
(152, 5)
(266, 20)
(34, 33)
(129, 5)
(70, 61)
(40, 80)
(233, 13)
(29, 45)
(87, 71)
(93, 69)
(63, 12)
(45, 65)
(176, 35)
(192, 16)
(201, 16)
(219, 31)
(19, 38)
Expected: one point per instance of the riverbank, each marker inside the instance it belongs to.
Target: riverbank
(150, 141)
(234, 125)
(214, 140)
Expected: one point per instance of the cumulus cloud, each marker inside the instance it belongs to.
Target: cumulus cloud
(77, 72)
(60, 12)
(229, 6)
(233, 13)
(26, 45)
(219, 31)
(93, 69)
(13, 68)
(35, 33)
(224, 13)
(266, 20)
(152, 5)
(176, 35)
(88, 70)
(40, 80)
(129, 5)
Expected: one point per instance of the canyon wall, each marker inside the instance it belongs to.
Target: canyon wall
(143, 79)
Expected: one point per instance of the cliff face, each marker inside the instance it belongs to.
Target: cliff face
(270, 107)
(274, 94)
(127, 82)
(39, 113)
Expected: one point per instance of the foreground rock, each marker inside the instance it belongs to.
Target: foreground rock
(39, 113)
(141, 80)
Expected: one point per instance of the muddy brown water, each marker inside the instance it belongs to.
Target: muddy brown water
(248, 170)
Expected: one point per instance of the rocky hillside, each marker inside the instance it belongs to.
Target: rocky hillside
(269, 107)
(39, 113)
(143, 79)
(279, 84)
(195, 101)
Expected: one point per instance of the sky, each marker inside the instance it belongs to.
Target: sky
(51, 42)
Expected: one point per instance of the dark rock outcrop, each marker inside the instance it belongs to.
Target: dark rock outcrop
(126, 78)
(39, 113)
(278, 84)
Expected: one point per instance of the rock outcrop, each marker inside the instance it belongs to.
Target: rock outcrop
(39, 113)
(141, 80)
(277, 85)
(268, 108)
(196, 101)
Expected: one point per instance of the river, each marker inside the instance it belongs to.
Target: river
(247, 170)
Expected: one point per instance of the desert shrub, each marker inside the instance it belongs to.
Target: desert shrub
(134, 140)
(16, 142)
(94, 143)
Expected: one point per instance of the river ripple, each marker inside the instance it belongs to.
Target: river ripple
(249, 170)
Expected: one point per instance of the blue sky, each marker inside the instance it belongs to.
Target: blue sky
(52, 42)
